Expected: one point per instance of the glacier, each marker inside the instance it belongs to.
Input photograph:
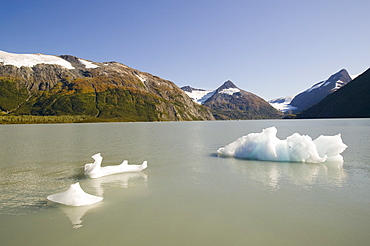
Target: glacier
(200, 96)
(265, 146)
(283, 103)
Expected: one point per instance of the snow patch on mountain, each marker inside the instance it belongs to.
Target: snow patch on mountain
(30, 60)
(230, 91)
(88, 64)
(338, 84)
(200, 96)
(141, 78)
(316, 86)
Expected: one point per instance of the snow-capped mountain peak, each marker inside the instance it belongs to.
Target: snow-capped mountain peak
(200, 96)
(227, 85)
(334, 82)
(228, 88)
(314, 94)
(230, 102)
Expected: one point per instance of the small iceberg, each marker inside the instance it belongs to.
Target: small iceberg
(95, 170)
(265, 146)
(75, 196)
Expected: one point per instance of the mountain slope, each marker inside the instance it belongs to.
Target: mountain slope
(351, 101)
(228, 102)
(312, 95)
(36, 84)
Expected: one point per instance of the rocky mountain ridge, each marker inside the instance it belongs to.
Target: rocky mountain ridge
(37, 84)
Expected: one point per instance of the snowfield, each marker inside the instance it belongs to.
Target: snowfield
(30, 60)
(200, 96)
(229, 91)
(88, 64)
(282, 104)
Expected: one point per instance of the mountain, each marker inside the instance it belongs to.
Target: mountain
(37, 84)
(312, 95)
(229, 102)
(350, 101)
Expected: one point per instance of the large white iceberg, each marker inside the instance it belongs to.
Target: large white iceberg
(95, 170)
(74, 196)
(295, 148)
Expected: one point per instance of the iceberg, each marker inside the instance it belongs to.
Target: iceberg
(95, 170)
(265, 146)
(75, 196)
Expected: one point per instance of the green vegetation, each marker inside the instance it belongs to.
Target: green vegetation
(115, 96)
(11, 94)
(64, 104)
(243, 114)
(32, 119)
(129, 104)
(81, 100)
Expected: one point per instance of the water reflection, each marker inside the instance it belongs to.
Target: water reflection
(123, 180)
(274, 175)
(97, 187)
(75, 214)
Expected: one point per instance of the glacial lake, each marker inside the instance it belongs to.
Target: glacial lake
(187, 195)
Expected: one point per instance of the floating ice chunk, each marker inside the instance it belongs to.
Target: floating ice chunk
(295, 148)
(331, 146)
(75, 196)
(95, 170)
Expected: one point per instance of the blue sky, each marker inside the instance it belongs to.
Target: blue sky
(268, 47)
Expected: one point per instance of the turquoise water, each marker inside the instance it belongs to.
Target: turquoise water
(187, 195)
